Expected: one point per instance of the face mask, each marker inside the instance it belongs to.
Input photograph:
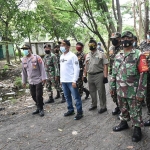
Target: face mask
(115, 42)
(62, 49)
(56, 51)
(126, 43)
(92, 48)
(26, 52)
(78, 48)
(47, 51)
(148, 36)
(134, 44)
(98, 46)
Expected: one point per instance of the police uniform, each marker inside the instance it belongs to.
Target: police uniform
(52, 71)
(94, 63)
(33, 70)
(81, 59)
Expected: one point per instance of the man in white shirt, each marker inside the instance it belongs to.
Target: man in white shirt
(69, 73)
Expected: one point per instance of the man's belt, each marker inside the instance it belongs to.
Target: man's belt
(95, 73)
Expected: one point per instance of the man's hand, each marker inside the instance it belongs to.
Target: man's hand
(139, 99)
(74, 85)
(112, 93)
(24, 85)
(56, 78)
(43, 82)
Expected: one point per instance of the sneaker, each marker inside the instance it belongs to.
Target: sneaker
(78, 116)
(102, 110)
(69, 113)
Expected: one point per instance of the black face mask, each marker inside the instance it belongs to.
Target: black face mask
(126, 43)
(47, 51)
(92, 48)
(56, 51)
(115, 42)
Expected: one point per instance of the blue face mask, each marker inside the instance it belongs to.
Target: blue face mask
(26, 52)
(148, 36)
(62, 49)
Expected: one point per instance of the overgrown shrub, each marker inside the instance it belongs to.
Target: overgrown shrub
(18, 82)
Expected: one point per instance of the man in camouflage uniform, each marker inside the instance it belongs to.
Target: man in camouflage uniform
(130, 83)
(56, 52)
(52, 71)
(113, 51)
(145, 48)
(81, 59)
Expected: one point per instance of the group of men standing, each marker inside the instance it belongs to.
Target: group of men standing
(129, 77)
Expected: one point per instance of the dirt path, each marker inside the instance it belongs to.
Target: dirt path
(23, 131)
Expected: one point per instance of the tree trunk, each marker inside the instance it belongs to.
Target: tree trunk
(146, 4)
(6, 37)
(119, 21)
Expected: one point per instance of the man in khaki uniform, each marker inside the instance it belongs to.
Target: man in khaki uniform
(96, 66)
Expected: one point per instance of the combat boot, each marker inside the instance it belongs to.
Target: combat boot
(116, 111)
(63, 99)
(86, 92)
(123, 125)
(58, 95)
(137, 134)
(35, 112)
(41, 113)
(50, 100)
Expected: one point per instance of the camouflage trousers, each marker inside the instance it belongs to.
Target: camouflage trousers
(53, 83)
(115, 98)
(80, 86)
(131, 109)
(148, 93)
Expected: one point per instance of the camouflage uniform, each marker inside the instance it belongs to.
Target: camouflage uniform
(112, 57)
(81, 59)
(129, 84)
(52, 71)
(144, 46)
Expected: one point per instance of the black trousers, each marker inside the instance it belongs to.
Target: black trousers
(37, 94)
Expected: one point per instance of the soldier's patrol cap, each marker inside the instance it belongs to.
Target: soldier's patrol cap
(47, 46)
(67, 42)
(115, 35)
(127, 34)
(26, 47)
(80, 43)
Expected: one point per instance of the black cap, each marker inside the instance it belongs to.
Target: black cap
(67, 42)
(26, 47)
(79, 43)
(127, 34)
(47, 45)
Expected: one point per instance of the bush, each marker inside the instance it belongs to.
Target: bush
(4, 70)
(18, 82)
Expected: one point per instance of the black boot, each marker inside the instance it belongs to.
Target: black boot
(50, 100)
(137, 134)
(35, 112)
(86, 92)
(123, 125)
(116, 111)
(63, 99)
(41, 113)
(147, 123)
(58, 95)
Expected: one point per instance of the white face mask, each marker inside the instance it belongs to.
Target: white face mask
(62, 49)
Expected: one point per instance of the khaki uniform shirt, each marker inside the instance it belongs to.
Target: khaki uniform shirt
(95, 62)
